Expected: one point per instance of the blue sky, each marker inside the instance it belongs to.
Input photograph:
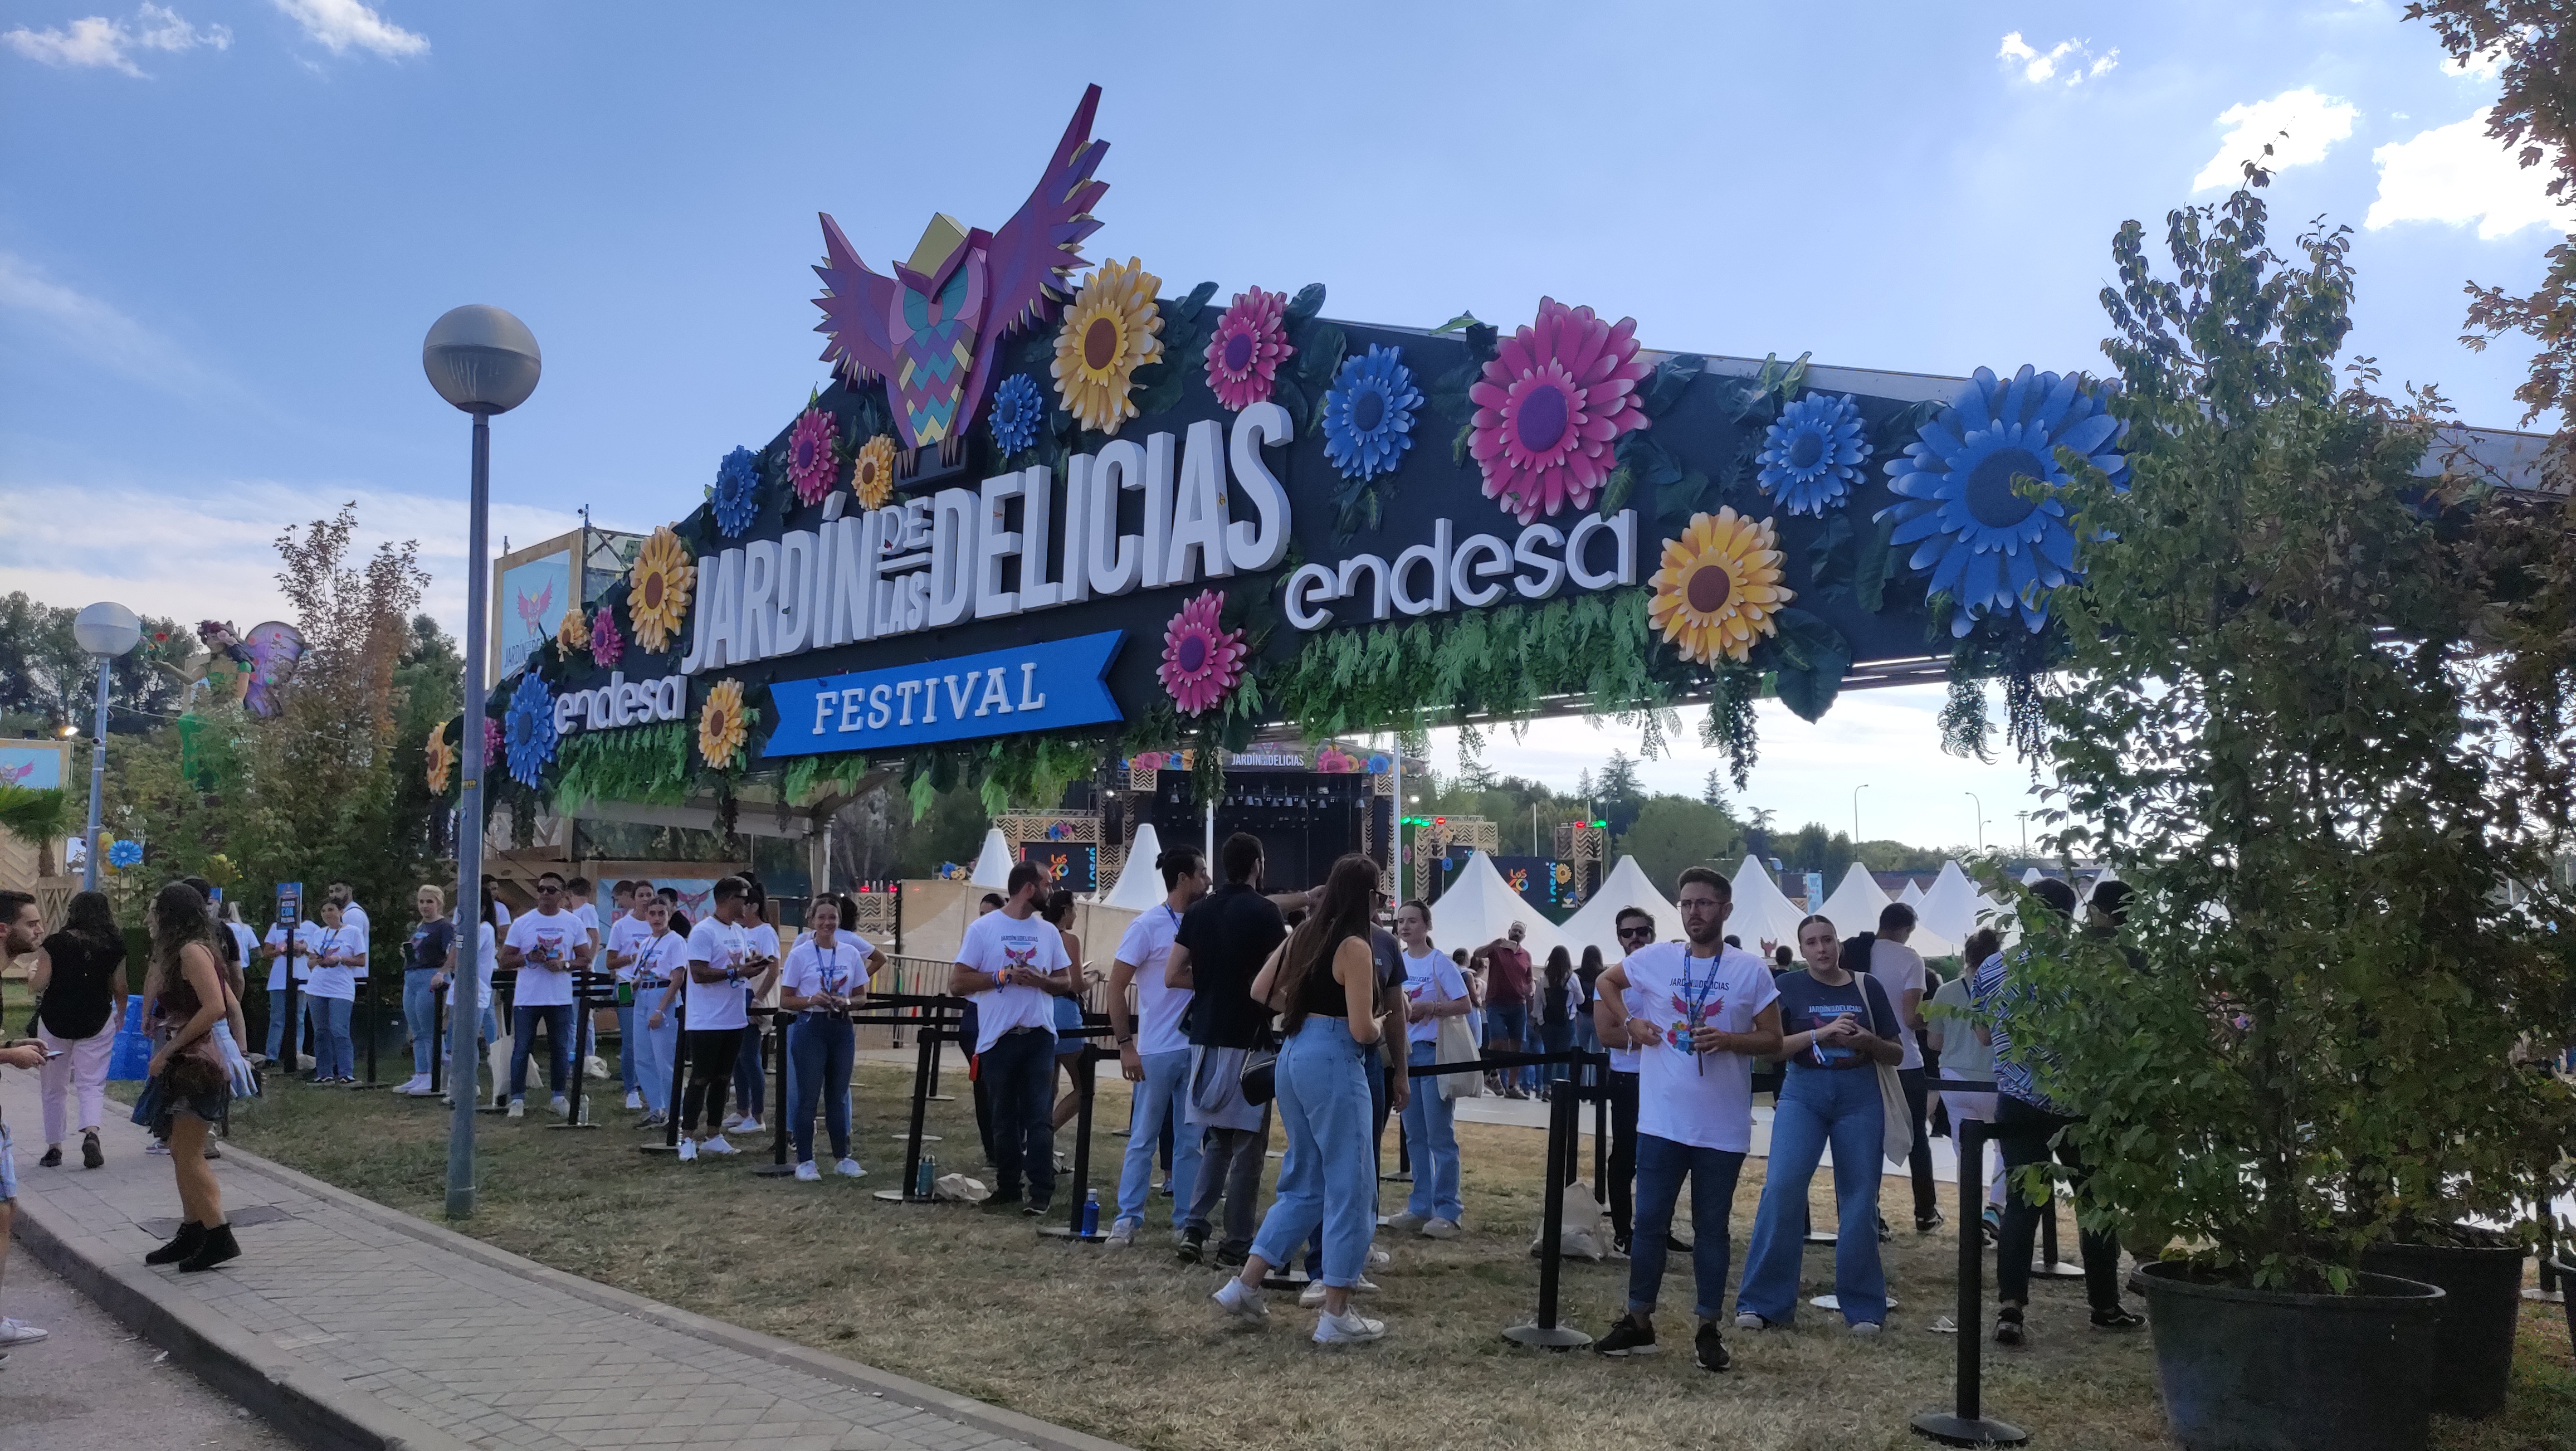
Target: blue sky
(224, 228)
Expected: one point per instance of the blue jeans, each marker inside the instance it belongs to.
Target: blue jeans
(655, 1051)
(420, 1016)
(1661, 1165)
(1508, 1024)
(820, 1051)
(277, 1025)
(749, 1073)
(1158, 1101)
(1820, 1106)
(1557, 1038)
(334, 1055)
(1431, 1138)
(1018, 1074)
(628, 1019)
(1328, 1177)
(523, 1027)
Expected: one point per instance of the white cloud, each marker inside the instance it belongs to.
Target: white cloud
(2299, 126)
(2483, 66)
(2071, 62)
(341, 24)
(98, 41)
(96, 331)
(2459, 174)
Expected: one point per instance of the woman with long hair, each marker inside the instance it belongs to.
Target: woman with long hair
(188, 1082)
(332, 996)
(1324, 980)
(79, 981)
(825, 976)
(487, 953)
(1558, 993)
(660, 957)
(1057, 908)
(1836, 1028)
(1587, 976)
(1435, 987)
(424, 958)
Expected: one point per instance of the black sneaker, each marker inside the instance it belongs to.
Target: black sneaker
(2117, 1318)
(1229, 1258)
(1193, 1245)
(1626, 1338)
(53, 1158)
(1003, 1200)
(1927, 1223)
(2008, 1327)
(91, 1158)
(1035, 1208)
(1709, 1348)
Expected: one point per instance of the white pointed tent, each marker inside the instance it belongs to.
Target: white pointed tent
(993, 864)
(1762, 913)
(1627, 886)
(1140, 884)
(1479, 907)
(2030, 876)
(1854, 904)
(1912, 895)
(1949, 910)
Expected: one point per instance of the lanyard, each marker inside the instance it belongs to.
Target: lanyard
(648, 959)
(829, 969)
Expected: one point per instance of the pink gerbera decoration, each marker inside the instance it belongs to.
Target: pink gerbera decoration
(813, 458)
(607, 647)
(1551, 402)
(1243, 357)
(493, 744)
(1201, 659)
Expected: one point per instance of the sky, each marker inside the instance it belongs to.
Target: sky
(225, 227)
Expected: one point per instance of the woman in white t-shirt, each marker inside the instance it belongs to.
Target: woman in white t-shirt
(281, 946)
(488, 957)
(660, 957)
(1434, 989)
(1950, 1031)
(332, 995)
(825, 976)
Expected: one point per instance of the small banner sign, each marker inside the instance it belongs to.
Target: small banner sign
(1045, 685)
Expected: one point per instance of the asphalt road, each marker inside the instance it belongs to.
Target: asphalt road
(94, 1387)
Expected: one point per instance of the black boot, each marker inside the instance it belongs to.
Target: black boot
(192, 1237)
(219, 1247)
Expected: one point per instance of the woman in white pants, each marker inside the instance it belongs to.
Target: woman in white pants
(1950, 1030)
(79, 980)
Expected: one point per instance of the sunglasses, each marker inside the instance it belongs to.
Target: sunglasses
(1625, 932)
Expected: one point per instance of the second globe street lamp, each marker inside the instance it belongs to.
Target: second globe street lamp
(105, 630)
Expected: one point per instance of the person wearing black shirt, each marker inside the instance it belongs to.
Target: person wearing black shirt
(79, 983)
(1224, 939)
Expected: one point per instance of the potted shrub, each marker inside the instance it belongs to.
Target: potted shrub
(2264, 722)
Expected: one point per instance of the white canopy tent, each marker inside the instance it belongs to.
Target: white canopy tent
(1763, 913)
(1479, 907)
(1854, 903)
(1627, 886)
(1912, 896)
(1140, 884)
(993, 864)
(1949, 910)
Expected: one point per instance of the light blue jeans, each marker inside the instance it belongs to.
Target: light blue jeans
(1167, 1077)
(653, 1051)
(1819, 1106)
(277, 1025)
(1328, 1176)
(420, 1016)
(334, 1054)
(1431, 1140)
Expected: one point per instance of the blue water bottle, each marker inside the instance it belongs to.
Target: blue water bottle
(923, 1176)
(1090, 1213)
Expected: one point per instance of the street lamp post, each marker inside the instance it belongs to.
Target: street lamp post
(1981, 817)
(484, 361)
(1856, 790)
(105, 630)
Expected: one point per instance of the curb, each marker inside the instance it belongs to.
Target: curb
(901, 1389)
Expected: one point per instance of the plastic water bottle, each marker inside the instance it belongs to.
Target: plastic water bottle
(925, 1174)
(1090, 1212)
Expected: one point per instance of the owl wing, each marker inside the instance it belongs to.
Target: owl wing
(858, 309)
(1041, 242)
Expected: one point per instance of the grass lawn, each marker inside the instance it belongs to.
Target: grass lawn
(1125, 1344)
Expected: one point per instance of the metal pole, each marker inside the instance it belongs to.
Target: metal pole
(97, 782)
(1856, 790)
(1965, 1423)
(1981, 817)
(469, 832)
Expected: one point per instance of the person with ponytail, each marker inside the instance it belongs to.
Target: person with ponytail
(189, 1081)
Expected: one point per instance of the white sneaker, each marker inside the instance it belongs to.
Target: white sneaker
(634, 1099)
(1122, 1235)
(1406, 1223)
(748, 1127)
(849, 1169)
(688, 1151)
(1348, 1328)
(1865, 1327)
(562, 1106)
(715, 1144)
(17, 1332)
(1747, 1320)
(1242, 1303)
(1378, 1256)
(157, 1146)
(806, 1171)
(1440, 1229)
(734, 1124)
(1313, 1296)
(518, 1108)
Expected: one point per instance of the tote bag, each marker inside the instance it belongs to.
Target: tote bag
(1456, 1044)
(1896, 1116)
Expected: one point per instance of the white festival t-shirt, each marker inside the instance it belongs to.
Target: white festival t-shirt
(1701, 1099)
(487, 945)
(1147, 946)
(1624, 1060)
(307, 935)
(340, 982)
(997, 942)
(354, 917)
(1899, 969)
(716, 1005)
(761, 940)
(548, 940)
(625, 935)
(656, 959)
(839, 969)
(1432, 977)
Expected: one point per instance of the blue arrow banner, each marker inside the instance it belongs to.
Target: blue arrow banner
(1045, 685)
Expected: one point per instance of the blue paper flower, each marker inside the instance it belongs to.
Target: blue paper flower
(1017, 406)
(1811, 458)
(1368, 413)
(125, 855)
(528, 731)
(737, 491)
(1988, 547)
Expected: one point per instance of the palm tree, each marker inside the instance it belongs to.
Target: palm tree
(42, 817)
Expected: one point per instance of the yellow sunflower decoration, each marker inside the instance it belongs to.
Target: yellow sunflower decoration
(872, 474)
(442, 761)
(1109, 332)
(721, 727)
(574, 633)
(657, 591)
(1719, 588)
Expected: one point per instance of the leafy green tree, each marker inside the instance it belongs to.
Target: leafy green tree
(1673, 832)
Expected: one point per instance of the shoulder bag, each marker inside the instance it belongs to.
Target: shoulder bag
(1456, 1043)
(1896, 1126)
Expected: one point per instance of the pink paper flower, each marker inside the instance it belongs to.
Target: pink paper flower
(494, 743)
(607, 647)
(1552, 401)
(813, 456)
(1250, 343)
(1201, 660)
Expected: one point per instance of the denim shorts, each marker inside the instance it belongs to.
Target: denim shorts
(8, 1167)
(1068, 1014)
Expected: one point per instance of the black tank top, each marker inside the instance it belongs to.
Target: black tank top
(1322, 995)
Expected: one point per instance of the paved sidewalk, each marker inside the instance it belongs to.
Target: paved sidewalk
(349, 1324)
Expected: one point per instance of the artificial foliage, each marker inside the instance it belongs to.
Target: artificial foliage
(2346, 935)
(645, 763)
(1554, 398)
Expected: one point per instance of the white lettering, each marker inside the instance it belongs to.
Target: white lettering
(1076, 573)
(1551, 572)
(723, 608)
(880, 706)
(1249, 547)
(757, 625)
(908, 689)
(1115, 560)
(995, 694)
(1623, 568)
(993, 544)
(952, 568)
(1037, 521)
(1158, 510)
(1029, 699)
(565, 707)
(800, 577)
(1198, 508)
(824, 701)
(917, 526)
(1435, 555)
(957, 698)
(852, 569)
(853, 702)
(1311, 581)
(1497, 562)
(672, 700)
(695, 660)
(1375, 567)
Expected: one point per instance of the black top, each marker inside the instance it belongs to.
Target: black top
(1556, 1011)
(1230, 932)
(427, 951)
(86, 971)
(1387, 955)
(1321, 996)
(1807, 1004)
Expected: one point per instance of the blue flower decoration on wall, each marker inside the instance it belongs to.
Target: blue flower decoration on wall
(1989, 548)
(528, 731)
(1811, 458)
(125, 856)
(1368, 413)
(737, 492)
(1017, 406)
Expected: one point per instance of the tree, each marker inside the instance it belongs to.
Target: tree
(1621, 798)
(1712, 792)
(46, 681)
(1673, 832)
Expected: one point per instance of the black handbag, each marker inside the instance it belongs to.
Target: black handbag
(1260, 1078)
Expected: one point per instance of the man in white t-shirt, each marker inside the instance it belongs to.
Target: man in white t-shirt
(279, 948)
(1013, 964)
(1153, 1053)
(627, 931)
(546, 947)
(722, 975)
(1709, 1011)
(1635, 929)
(354, 918)
(1899, 969)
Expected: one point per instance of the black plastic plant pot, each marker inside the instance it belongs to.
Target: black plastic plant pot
(2481, 1301)
(2266, 1370)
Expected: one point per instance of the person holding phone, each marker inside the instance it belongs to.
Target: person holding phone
(719, 993)
(339, 955)
(825, 976)
(1152, 1053)
(1434, 988)
(545, 947)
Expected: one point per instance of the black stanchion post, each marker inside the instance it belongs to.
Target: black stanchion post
(930, 1035)
(1547, 1334)
(679, 1068)
(1965, 1424)
(584, 983)
(292, 1039)
(437, 1044)
(2050, 1267)
(778, 1167)
(1599, 1067)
